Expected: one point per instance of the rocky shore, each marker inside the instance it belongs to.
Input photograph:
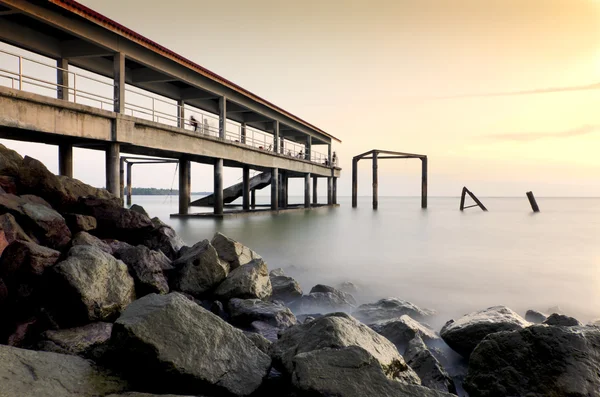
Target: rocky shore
(100, 300)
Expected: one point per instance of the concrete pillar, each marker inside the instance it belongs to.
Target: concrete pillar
(119, 78)
(222, 116)
(218, 193)
(286, 196)
(354, 183)
(184, 185)
(308, 147)
(334, 191)
(181, 113)
(253, 199)
(281, 186)
(315, 185)
(62, 79)
(276, 136)
(122, 179)
(112, 168)
(243, 133)
(375, 182)
(274, 188)
(307, 190)
(246, 188)
(424, 182)
(65, 159)
(129, 182)
(329, 190)
(283, 198)
(329, 155)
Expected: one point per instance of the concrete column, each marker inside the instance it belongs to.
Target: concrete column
(307, 190)
(218, 194)
(122, 179)
(281, 185)
(329, 190)
(283, 198)
(65, 159)
(274, 188)
(184, 185)
(129, 182)
(253, 199)
(329, 155)
(112, 168)
(119, 78)
(246, 188)
(308, 148)
(286, 196)
(276, 136)
(315, 185)
(424, 182)
(181, 113)
(354, 183)
(281, 145)
(334, 191)
(375, 182)
(222, 116)
(62, 79)
(243, 133)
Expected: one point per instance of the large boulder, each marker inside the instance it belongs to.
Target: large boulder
(25, 258)
(533, 316)
(28, 373)
(90, 341)
(338, 330)
(80, 223)
(11, 229)
(344, 296)
(10, 162)
(198, 270)
(349, 372)
(259, 341)
(245, 311)
(426, 365)
(285, 289)
(536, 361)
(232, 252)
(562, 320)
(146, 267)
(246, 282)
(163, 238)
(321, 302)
(386, 309)
(173, 343)
(84, 238)
(47, 225)
(400, 331)
(91, 285)
(465, 333)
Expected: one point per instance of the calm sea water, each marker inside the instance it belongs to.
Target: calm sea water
(439, 258)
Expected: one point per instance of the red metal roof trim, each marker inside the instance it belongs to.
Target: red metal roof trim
(94, 16)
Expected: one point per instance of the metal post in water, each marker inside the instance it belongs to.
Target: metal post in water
(375, 182)
(354, 183)
(534, 205)
(424, 182)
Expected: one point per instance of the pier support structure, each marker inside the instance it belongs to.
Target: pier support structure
(246, 187)
(185, 180)
(112, 169)
(65, 159)
(315, 196)
(129, 182)
(307, 190)
(218, 184)
(329, 190)
(375, 155)
(274, 188)
(62, 79)
(222, 117)
(334, 191)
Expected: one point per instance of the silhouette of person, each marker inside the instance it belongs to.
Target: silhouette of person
(194, 123)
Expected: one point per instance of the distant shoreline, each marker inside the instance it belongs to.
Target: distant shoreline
(143, 191)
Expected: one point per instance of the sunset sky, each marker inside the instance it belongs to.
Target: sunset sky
(502, 95)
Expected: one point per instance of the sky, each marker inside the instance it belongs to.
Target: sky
(502, 95)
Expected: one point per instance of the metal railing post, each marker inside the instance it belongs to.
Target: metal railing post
(21, 73)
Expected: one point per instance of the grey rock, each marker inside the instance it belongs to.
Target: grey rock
(171, 341)
(80, 223)
(139, 209)
(92, 285)
(349, 372)
(285, 289)
(400, 331)
(338, 330)
(28, 373)
(426, 365)
(465, 333)
(12, 230)
(276, 272)
(561, 320)
(84, 238)
(327, 289)
(26, 258)
(146, 267)
(232, 252)
(89, 341)
(268, 331)
(349, 287)
(116, 245)
(245, 311)
(533, 316)
(247, 282)
(10, 161)
(536, 361)
(259, 341)
(163, 238)
(199, 270)
(321, 302)
(386, 309)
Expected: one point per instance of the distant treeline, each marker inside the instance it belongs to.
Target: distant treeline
(151, 191)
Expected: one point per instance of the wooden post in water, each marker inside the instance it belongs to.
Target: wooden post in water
(354, 183)
(424, 182)
(477, 202)
(532, 201)
(375, 182)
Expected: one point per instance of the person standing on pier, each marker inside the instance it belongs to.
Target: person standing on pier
(194, 123)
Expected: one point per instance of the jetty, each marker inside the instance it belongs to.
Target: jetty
(94, 83)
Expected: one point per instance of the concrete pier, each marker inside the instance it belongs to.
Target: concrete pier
(218, 184)
(334, 191)
(65, 160)
(119, 81)
(246, 184)
(112, 169)
(375, 182)
(329, 190)
(62, 79)
(424, 182)
(274, 188)
(185, 171)
(253, 199)
(129, 182)
(122, 179)
(222, 117)
(315, 197)
(306, 190)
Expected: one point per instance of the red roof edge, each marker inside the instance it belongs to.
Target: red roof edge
(94, 16)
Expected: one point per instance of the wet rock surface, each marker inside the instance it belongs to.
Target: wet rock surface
(389, 308)
(245, 311)
(147, 269)
(232, 252)
(562, 320)
(426, 365)
(400, 331)
(247, 282)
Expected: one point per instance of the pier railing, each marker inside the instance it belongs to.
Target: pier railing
(28, 74)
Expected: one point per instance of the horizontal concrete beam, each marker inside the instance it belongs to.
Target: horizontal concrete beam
(82, 49)
(147, 75)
